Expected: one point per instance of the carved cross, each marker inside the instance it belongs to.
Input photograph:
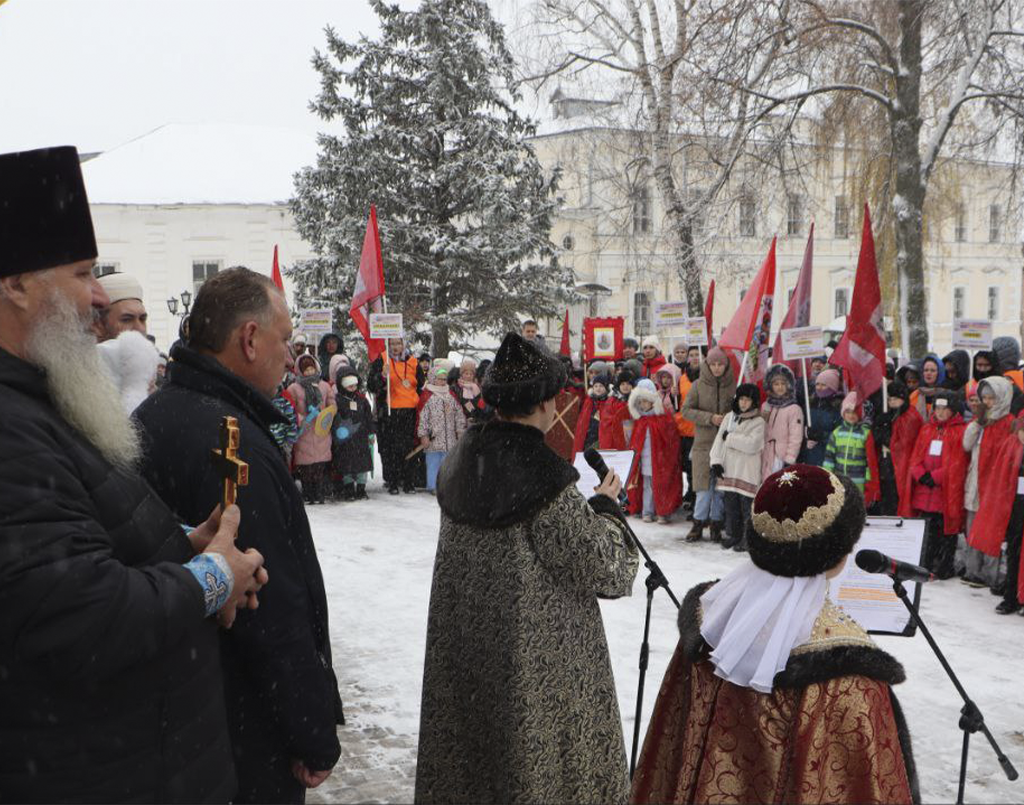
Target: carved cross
(232, 469)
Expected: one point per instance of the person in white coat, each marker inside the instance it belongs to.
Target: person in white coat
(736, 462)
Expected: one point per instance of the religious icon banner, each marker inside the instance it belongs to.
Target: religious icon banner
(602, 338)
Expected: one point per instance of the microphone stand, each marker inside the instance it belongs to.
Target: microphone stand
(971, 719)
(655, 579)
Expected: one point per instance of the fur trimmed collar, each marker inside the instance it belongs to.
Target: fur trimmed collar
(825, 656)
(499, 474)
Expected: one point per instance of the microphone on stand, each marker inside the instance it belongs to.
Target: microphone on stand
(877, 562)
(596, 462)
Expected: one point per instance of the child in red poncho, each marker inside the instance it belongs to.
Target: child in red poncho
(600, 422)
(1002, 516)
(656, 484)
(938, 468)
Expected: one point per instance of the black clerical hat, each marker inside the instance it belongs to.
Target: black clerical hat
(44, 212)
(522, 374)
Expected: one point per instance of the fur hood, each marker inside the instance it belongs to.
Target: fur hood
(132, 361)
(641, 392)
(499, 474)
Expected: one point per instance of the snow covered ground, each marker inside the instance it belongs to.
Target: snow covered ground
(377, 558)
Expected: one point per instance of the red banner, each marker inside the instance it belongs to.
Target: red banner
(602, 338)
(368, 295)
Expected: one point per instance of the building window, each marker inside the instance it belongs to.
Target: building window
(568, 243)
(995, 221)
(748, 226)
(842, 302)
(959, 302)
(641, 312)
(993, 303)
(202, 271)
(842, 219)
(960, 229)
(102, 269)
(641, 210)
(794, 208)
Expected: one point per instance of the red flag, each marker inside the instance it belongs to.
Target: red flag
(368, 296)
(862, 348)
(799, 313)
(751, 323)
(565, 349)
(276, 273)
(709, 311)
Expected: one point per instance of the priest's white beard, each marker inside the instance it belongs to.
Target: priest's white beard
(63, 345)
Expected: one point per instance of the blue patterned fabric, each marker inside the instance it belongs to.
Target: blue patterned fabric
(214, 575)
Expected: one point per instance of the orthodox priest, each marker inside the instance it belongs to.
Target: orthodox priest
(519, 703)
(774, 694)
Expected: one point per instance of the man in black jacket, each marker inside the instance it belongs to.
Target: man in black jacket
(282, 696)
(110, 687)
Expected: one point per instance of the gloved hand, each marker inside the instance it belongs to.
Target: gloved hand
(927, 480)
(816, 434)
(718, 470)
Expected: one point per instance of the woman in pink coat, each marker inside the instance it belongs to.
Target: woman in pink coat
(784, 431)
(314, 412)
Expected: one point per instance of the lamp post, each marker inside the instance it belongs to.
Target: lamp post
(186, 304)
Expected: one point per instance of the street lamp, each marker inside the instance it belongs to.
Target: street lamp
(593, 291)
(186, 303)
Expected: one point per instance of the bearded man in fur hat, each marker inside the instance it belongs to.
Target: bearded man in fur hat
(519, 703)
(110, 685)
(774, 694)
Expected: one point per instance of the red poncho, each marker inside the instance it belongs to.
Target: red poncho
(611, 414)
(905, 429)
(992, 442)
(954, 467)
(667, 479)
(652, 365)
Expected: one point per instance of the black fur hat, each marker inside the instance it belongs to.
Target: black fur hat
(803, 520)
(44, 213)
(522, 375)
(951, 398)
(749, 390)
(625, 376)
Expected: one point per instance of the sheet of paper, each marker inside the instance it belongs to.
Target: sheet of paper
(1020, 486)
(619, 461)
(935, 449)
(868, 597)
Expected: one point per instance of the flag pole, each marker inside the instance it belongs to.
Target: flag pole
(743, 366)
(807, 393)
(387, 361)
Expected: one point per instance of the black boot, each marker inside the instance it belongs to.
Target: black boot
(348, 492)
(696, 532)
(392, 489)
(716, 530)
(361, 492)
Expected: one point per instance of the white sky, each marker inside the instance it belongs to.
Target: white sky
(96, 73)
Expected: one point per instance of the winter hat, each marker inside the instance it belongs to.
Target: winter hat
(652, 341)
(803, 520)
(645, 390)
(635, 366)
(601, 367)
(306, 359)
(630, 342)
(993, 362)
(522, 375)
(120, 286)
(831, 379)
(1007, 349)
(850, 402)
(898, 389)
(750, 391)
(604, 380)
(950, 399)
(625, 376)
(335, 366)
(717, 355)
(45, 219)
(348, 379)
(300, 338)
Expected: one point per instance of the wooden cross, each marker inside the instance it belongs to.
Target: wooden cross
(232, 469)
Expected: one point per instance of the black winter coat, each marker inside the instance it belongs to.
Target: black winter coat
(109, 669)
(277, 659)
(352, 454)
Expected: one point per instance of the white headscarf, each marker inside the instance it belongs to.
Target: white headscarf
(753, 619)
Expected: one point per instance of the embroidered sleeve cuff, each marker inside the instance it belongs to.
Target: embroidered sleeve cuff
(214, 575)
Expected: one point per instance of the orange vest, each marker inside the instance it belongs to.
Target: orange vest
(684, 426)
(403, 383)
(1016, 377)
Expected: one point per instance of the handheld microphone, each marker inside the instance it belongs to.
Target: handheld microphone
(596, 462)
(877, 562)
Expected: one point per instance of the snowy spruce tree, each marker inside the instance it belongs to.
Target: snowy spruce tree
(432, 138)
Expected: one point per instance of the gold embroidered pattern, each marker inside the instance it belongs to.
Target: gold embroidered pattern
(833, 628)
(815, 520)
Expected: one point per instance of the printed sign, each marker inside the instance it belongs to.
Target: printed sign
(696, 332)
(316, 322)
(670, 314)
(972, 334)
(802, 342)
(386, 325)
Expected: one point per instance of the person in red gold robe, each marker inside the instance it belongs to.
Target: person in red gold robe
(774, 694)
(562, 435)
(656, 484)
(1002, 516)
